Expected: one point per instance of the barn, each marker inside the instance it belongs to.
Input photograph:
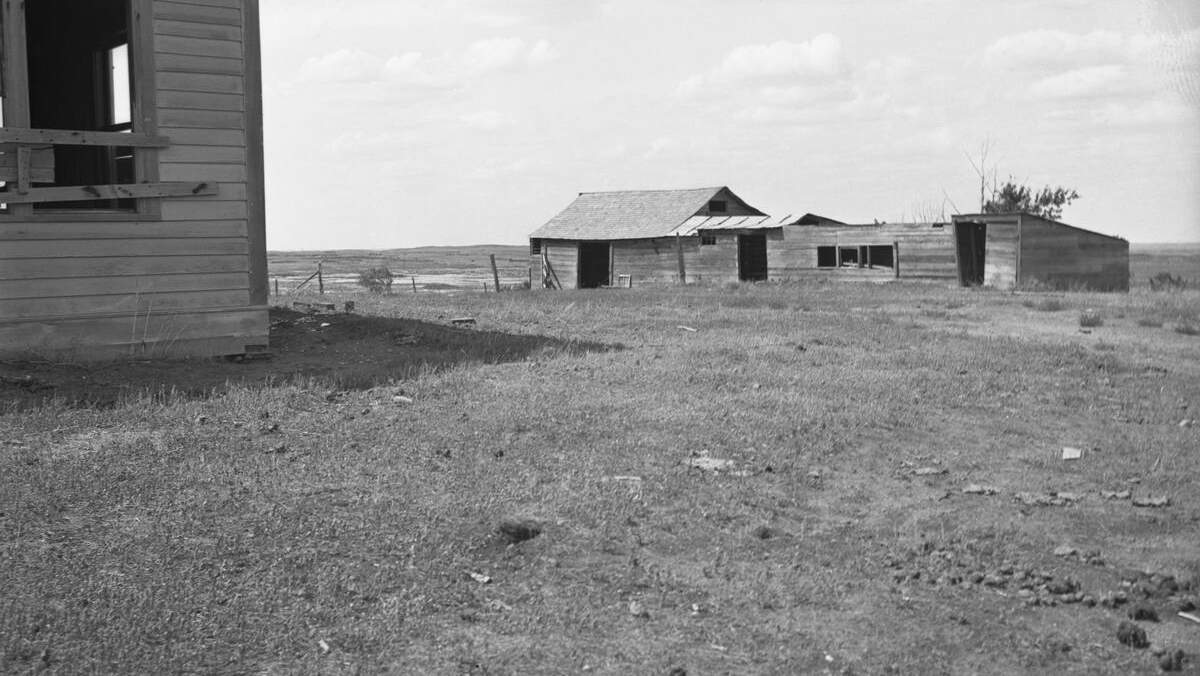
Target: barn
(1020, 249)
(622, 238)
(132, 213)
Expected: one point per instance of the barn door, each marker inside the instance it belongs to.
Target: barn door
(752, 257)
(971, 243)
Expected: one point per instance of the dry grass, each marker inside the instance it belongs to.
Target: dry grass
(289, 528)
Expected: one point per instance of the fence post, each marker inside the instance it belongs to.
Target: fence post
(679, 252)
(495, 273)
(276, 286)
(320, 280)
(896, 257)
(414, 283)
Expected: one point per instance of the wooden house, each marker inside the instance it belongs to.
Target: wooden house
(651, 236)
(1007, 250)
(817, 247)
(132, 216)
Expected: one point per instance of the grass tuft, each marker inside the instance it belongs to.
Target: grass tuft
(1045, 305)
(1090, 319)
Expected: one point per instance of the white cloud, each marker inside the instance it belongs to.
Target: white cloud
(1154, 114)
(343, 65)
(541, 53)
(1055, 49)
(493, 54)
(1081, 82)
(486, 120)
(819, 58)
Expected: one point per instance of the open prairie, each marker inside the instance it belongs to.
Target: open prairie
(830, 478)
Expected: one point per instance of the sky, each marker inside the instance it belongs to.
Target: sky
(448, 122)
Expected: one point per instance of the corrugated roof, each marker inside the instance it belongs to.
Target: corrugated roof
(697, 223)
(626, 214)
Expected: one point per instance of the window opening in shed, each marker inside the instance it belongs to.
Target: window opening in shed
(79, 79)
(849, 256)
(535, 247)
(881, 256)
(826, 257)
(708, 240)
(971, 244)
(717, 207)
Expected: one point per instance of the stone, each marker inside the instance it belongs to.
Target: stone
(1144, 612)
(1065, 550)
(1132, 635)
(636, 609)
(519, 529)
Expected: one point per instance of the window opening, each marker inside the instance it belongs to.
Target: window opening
(708, 240)
(535, 247)
(716, 207)
(79, 78)
(849, 256)
(881, 256)
(826, 257)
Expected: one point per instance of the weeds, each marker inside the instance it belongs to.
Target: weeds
(1045, 305)
(1089, 319)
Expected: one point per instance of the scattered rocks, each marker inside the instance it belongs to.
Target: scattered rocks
(637, 610)
(978, 489)
(401, 399)
(519, 529)
(1114, 599)
(930, 471)
(764, 532)
(706, 462)
(1051, 499)
(1116, 495)
(1151, 501)
(1132, 635)
(1143, 612)
(1172, 660)
(1065, 550)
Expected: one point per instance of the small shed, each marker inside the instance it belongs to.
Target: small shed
(652, 236)
(131, 155)
(1014, 249)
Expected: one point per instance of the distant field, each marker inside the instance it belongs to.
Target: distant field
(467, 267)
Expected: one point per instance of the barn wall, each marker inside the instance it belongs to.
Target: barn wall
(1066, 257)
(924, 251)
(185, 275)
(1000, 255)
(563, 256)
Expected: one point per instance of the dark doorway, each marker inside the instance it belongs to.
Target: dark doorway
(971, 240)
(594, 260)
(752, 257)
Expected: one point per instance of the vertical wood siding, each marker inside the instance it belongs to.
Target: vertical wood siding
(1000, 254)
(924, 251)
(175, 282)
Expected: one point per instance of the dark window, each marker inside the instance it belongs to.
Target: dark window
(826, 257)
(717, 207)
(939, 225)
(535, 247)
(708, 240)
(849, 255)
(880, 256)
(79, 79)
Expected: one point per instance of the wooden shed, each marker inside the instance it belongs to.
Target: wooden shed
(651, 236)
(1006, 250)
(132, 217)
(816, 246)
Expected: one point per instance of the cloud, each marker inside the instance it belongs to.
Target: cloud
(541, 53)
(343, 65)
(1080, 83)
(486, 120)
(819, 58)
(493, 54)
(1055, 49)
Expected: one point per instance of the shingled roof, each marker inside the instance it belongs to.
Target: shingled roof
(632, 214)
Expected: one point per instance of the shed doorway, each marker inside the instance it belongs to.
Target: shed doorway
(594, 264)
(752, 257)
(971, 241)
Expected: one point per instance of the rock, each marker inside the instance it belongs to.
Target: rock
(1116, 495)
(518, 529)
(677, 671)
(1144, 612)
(1065, 550)
(1185, 605)
(401, 399)
(930, 471)
(1185, 423)
(1132, 635)
(764, 533)
(1172, 660)
(636, 609)
(1151, 501)
(1113, 599)
(1067, 586)
(977, 489)
(994, 580)
(1088, 600)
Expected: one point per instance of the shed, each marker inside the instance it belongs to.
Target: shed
(651, 236)
(1015, 249)
(815, 246)
(132, 214)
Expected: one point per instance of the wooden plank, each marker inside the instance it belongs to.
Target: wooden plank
(49, 230)
(196, 29)
(206, 209)
(94, 192)
(226, 49)
(180, 136)
(185, 154)
(185, 63)
(13, 134)
(201, 101)
(200, 119)
(202, 172)
(183, 246)
(15, 76)
(124, 284)
(36, 268)
(201, 82)
(192, 13)
(145, 302)
(24, 169)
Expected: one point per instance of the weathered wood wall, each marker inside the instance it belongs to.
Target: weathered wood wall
(1000, 254)
(925, 251)
(187, 276)
(1062, 256)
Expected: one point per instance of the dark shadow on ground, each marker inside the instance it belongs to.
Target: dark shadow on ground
(338, 351)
